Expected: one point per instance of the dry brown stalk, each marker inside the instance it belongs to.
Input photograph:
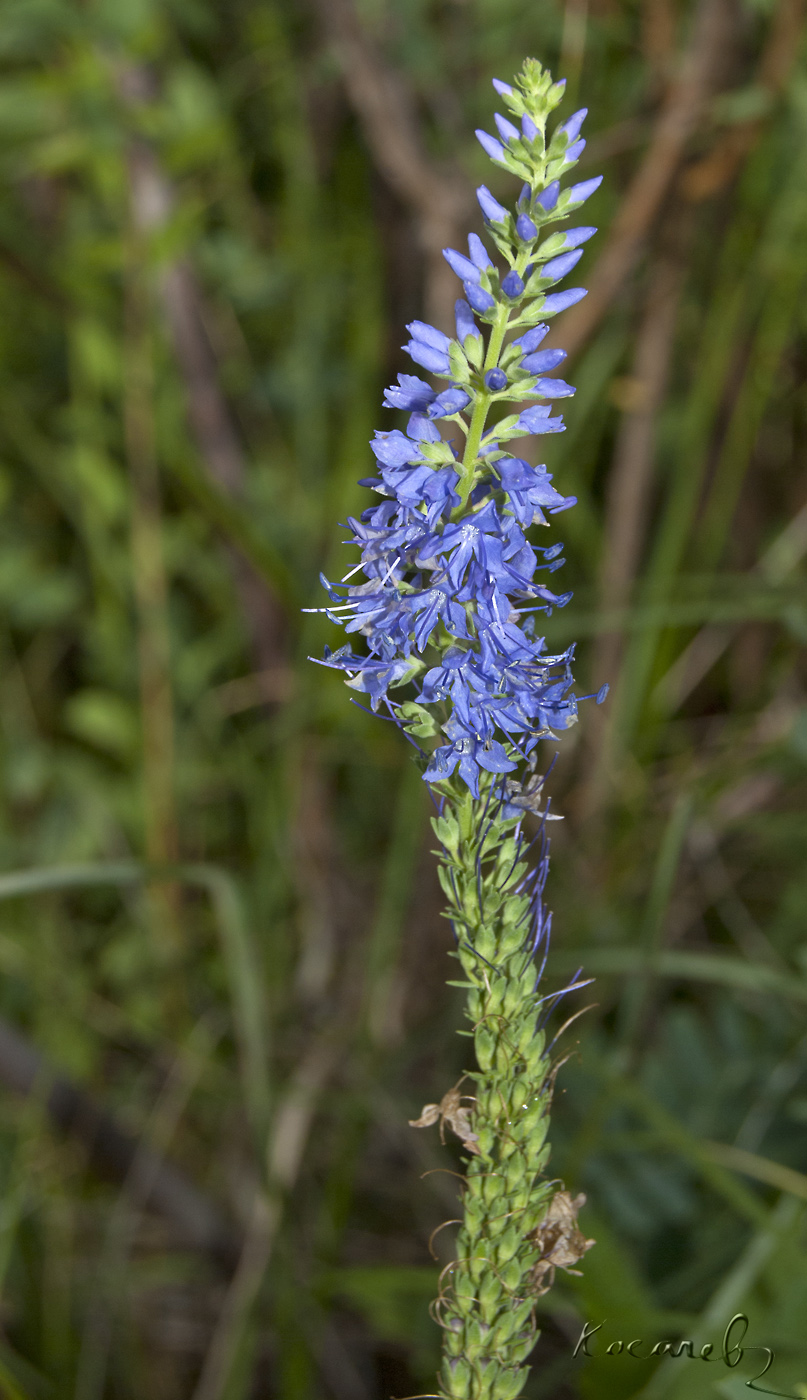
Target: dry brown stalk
(438, 195)
(114, 1153)
(631, 475)
(711, 174)
(677, 120)
(628, 496)
(210, 418)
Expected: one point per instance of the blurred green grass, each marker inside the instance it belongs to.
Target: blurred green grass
(218, 914)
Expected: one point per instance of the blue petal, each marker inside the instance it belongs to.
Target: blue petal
(574, 236)
(558, 267)
(531, 338)
(512, 284)
(480, 300)
(578, 194)
(464, 268)
(549, 198)
(478, 252)
(554, 389)
(427, 356)
(421, 330)
(542, 361)
(466, 325)
(491, 146)
(491, 207)
(410, 393)
(559, 301)
(506, 130)
(573, 123)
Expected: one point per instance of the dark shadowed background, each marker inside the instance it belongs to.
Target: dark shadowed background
(222, 961)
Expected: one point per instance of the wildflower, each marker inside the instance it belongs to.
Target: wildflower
(447, 606)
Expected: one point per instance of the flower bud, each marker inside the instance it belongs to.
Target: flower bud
(506, 130)
(491, 146)
(512, 285)
(549, 198)
(491, 208)
(480, 300)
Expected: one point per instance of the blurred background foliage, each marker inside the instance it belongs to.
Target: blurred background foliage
(221, 953)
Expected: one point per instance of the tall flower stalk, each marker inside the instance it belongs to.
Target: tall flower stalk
(452, 587)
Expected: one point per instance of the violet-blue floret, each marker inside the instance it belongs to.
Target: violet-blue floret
(452, 583)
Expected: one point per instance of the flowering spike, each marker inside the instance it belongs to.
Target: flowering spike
(450, 586)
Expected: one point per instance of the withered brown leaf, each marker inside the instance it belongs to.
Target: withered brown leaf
(560, 1241)
(450, 1110)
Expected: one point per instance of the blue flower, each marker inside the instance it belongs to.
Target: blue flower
(573, 124)
(543, 360)
(574, 236)
(560, 301)
(410, 393)
(451, 401)
(558, 267)
(480, 300)
(428, 347)
(529, 490)
(491, 208)
(470, 754)
(531, 338)
(578, 194)
(449, 583)
(464, 268)
(548, 198)
(494, 148)
(512, 285)
(537, 419)
(464, 317)
(506, 130)
(479, 253)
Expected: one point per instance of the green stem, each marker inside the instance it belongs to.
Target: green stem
(480, 413)
(487, 1297)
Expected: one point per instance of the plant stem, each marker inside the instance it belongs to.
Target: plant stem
(151, 597)
(480, 413)
(486, 1305)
